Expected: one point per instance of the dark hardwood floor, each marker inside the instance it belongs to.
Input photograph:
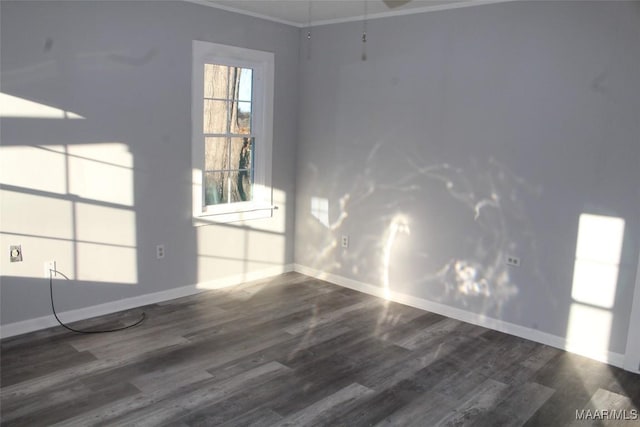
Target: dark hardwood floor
(293, 351)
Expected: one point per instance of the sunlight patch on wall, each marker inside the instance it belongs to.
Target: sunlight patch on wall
(36, 251)
(277, 222)
(221, 251)
(71, 204)
(595, 277)
(589, 331)
(224, 251)
(238, 249)
(113, 257)
(102, 172)
(597, 260)
(399, 225)
(469, 279)
(36, 215)
(16, 107)
(594, 283)
(320, 210)
(42, 162)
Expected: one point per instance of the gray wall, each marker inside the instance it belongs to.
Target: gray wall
(97, 194)
(468, 135)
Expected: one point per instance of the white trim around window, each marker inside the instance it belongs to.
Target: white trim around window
(262, 64)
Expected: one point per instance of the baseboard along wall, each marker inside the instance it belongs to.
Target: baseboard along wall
(611, 358)
(22, 327)
(31, 325)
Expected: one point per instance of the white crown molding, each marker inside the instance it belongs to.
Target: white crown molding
(410, 11)
(358, 18)
(244, 12)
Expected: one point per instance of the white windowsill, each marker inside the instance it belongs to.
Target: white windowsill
(250, 212)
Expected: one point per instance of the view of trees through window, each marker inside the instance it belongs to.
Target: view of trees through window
(229, 141)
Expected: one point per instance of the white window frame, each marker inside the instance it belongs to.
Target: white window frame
(262, 63)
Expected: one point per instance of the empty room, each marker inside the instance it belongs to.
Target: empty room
(320, 213)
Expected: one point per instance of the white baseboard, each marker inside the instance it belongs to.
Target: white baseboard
(611, 358)
(30, 325)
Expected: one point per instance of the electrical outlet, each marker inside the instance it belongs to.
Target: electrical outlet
(49, 269)
(513, 261)
(345, 241)
(159, 251)
(15, 253)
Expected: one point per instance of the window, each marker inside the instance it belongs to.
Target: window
(232, 122)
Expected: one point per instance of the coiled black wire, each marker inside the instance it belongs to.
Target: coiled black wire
(80, 331)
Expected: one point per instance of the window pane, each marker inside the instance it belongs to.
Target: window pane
(242, 117)
(215, 116)
(241, 186)
(216, 188)
(241, 153)
(216, 154)
(246, 84)
(216, 81)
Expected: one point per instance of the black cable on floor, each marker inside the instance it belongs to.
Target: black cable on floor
(53, 308)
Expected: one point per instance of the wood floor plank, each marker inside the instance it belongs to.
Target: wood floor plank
(330, 317)
(53, 409)
(292, 350)
(527, 367)
(574, 379)
(481, 401)
(316, 413)
(156, 408)
(516, 405)
(392, 371)
(158, 321)
(36, 354)
(423, 410)
(16, 375)
(608, 409)
(375, 408)
(219, 364)
(425, 329)
(307, 307)
(241, 401)
(282, 351)
(185, 360)
(136, 345)
(258, 417)
(161, 380)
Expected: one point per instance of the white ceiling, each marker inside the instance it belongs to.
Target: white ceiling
(296, 12)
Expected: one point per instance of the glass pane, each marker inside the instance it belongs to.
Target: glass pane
(241, 153)
(216, 81)
(216, 154)
(246, 84)
(216, 188)
(241, 120)
(215, 116)
(241, 186)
